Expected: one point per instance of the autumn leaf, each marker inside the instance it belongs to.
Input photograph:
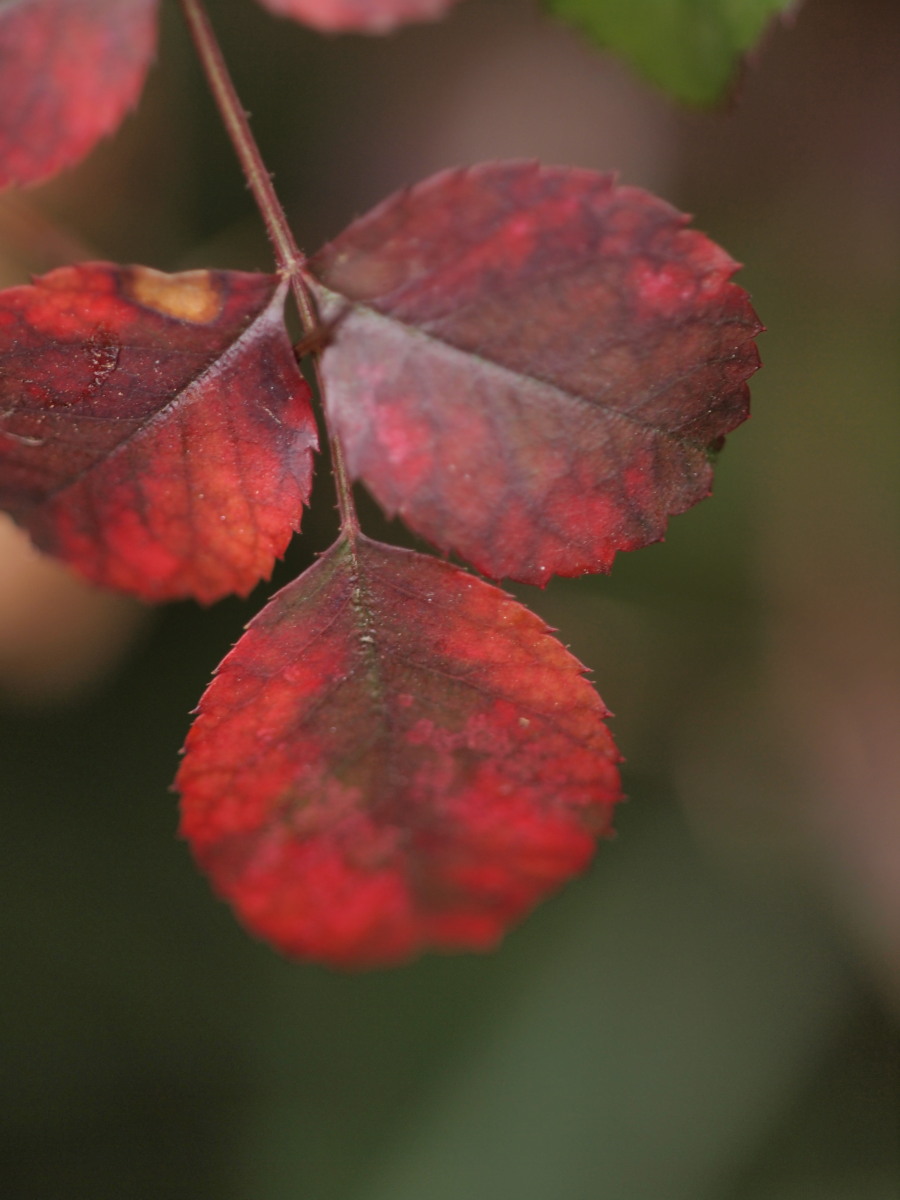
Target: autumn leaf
(358, 16)
(69, 71)
(396, 756)
(532, 365)
(155, 432)
(691, 48)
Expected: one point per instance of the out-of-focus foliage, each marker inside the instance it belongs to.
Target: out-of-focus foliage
(691, 48)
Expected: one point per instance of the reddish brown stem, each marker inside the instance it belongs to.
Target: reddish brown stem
(288, 256)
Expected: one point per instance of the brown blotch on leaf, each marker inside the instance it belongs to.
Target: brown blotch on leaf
(188, 296)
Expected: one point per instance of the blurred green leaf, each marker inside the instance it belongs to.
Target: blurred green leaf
(690, 48)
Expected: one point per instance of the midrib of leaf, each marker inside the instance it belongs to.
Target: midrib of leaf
(180, 400)
(488, 693)
(376, 690)
(522, 381)
(361, 605)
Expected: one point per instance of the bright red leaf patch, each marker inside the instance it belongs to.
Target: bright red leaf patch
(358, 16)
(532, 365)
(396, 756)
(69, 71)
(155, 432)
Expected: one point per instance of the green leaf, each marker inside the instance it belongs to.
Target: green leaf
(688, 47)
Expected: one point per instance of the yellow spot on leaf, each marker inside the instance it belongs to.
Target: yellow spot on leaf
(188, 296)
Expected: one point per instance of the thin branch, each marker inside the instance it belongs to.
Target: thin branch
(288, 256)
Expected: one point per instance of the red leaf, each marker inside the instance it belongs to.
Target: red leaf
(69, 71)
(358, 16)
(396, 756)
(532, 363)
(155, 432)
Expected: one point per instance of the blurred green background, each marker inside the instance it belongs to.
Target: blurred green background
(711, 1013)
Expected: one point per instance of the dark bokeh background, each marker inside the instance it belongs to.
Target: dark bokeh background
(711, 1014)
